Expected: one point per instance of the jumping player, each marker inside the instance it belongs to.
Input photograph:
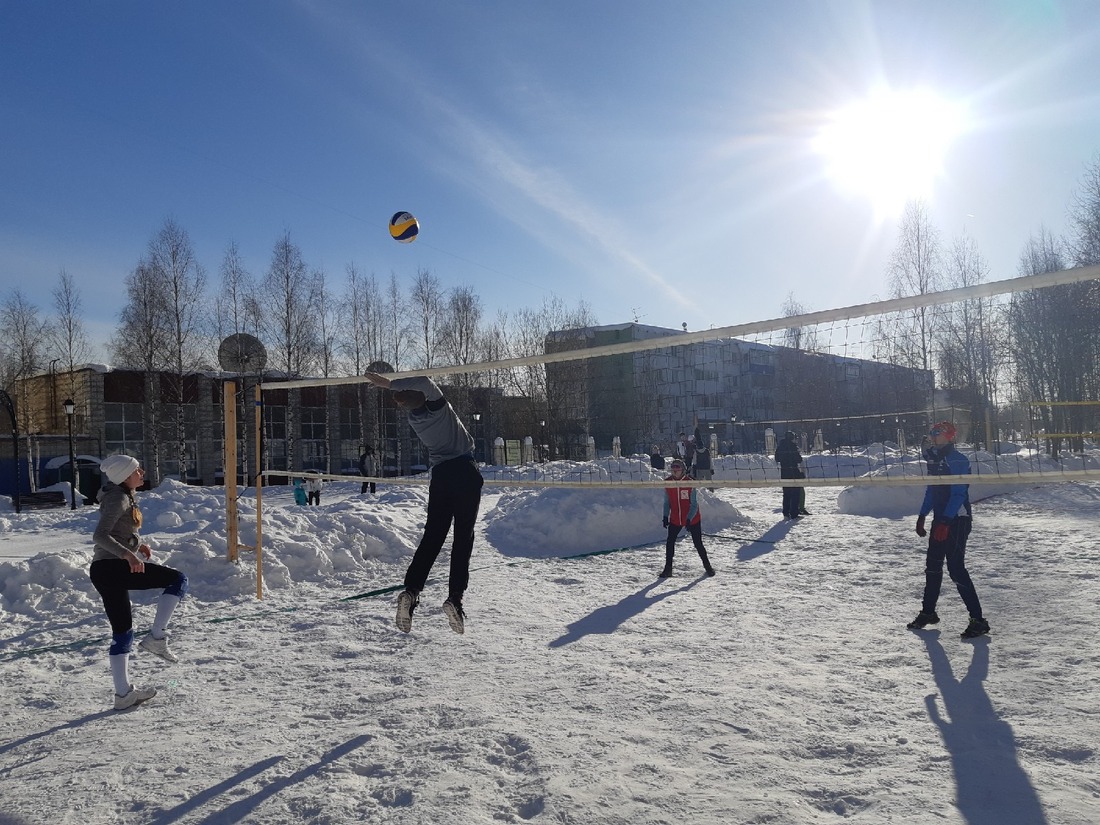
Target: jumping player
(454, 494)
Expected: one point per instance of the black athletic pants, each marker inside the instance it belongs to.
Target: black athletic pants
(454, 495)
(114, 581)
(953, 550)
(792, 497)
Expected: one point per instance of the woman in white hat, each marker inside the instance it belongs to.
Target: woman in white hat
(121, 564)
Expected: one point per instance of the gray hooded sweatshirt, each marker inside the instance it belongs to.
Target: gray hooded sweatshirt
(436, 423)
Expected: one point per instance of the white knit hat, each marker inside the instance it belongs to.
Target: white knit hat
(118, 468)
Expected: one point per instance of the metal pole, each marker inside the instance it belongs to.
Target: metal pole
(259, 495)
(70, 410)
(229, 468)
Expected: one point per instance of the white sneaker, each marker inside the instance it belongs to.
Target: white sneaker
(406, 604)
(135, 697)
(456, 616)
(158, 647)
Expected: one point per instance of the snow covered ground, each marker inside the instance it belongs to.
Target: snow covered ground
(586, 690)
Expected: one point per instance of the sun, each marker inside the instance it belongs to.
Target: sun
(891, 146)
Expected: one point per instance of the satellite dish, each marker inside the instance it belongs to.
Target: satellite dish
(242, 353)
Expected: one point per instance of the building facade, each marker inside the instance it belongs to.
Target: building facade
(175, 426)
(734, 390)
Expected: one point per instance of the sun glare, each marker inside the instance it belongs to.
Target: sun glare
(890, 147)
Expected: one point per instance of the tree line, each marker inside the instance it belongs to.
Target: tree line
(995, 355)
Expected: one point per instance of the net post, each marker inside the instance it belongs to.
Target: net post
(259, 495)
(229, 468)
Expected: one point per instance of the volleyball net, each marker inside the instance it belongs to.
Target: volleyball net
(858, 386)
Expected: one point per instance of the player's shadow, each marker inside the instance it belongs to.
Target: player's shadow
(608, 618)
(74, 723)
(240, 810)
(991, 786)
(766, 543)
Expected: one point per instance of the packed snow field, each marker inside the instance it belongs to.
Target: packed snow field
(585, 690)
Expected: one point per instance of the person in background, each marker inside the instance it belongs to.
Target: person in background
(683, 450)
(703, 469)
(314, 485)
(789, 459)
(682, 510)
(121, 563)
(299, 493)
(368, 467)
(656, 460)
(454, 495)
(949, 505)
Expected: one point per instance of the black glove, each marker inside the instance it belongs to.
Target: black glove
(664, 522)
(920, 527)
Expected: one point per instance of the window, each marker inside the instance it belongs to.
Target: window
(314, 444)
(123, 429)
(313, 423)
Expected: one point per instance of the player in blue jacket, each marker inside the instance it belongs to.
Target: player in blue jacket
(949, 505)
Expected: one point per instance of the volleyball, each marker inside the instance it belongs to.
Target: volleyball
(404, 227)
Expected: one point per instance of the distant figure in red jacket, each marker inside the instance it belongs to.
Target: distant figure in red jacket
(682, 510)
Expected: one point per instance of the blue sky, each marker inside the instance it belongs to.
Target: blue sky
(657, 160)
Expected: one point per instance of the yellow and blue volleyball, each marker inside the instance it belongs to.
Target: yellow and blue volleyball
(404, 227)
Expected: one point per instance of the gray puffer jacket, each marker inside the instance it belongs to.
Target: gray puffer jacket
(117, 533)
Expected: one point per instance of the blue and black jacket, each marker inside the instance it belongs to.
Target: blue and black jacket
(946, 501)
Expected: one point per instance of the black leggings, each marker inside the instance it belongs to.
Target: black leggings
(114, 581)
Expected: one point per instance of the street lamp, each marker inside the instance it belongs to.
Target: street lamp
(70, 408)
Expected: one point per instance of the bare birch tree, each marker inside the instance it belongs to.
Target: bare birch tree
(1084, 244)
(327, 325)
(183, 280)
(67, 339)
(236, 308)
(460, 333)
(290, 321)
(1047, 339)
(139, 344)
(971, 347)
(798, 338)
(915, 269)
(24, 333)
(426, 316)
(394, 324)
(1084, 218)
